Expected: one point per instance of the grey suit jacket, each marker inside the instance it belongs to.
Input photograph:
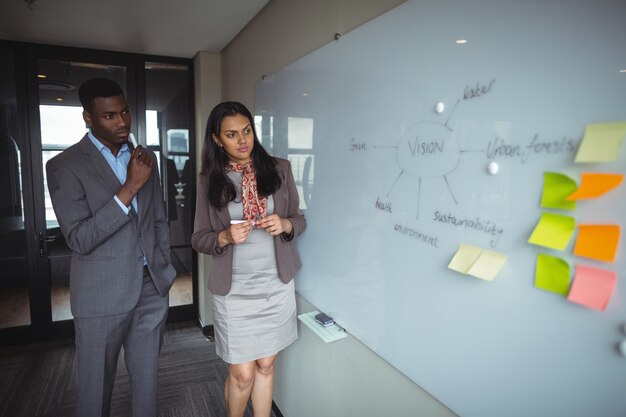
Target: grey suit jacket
(107, 245)
(209, 222)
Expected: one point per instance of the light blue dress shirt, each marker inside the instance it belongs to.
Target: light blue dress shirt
(118, 164)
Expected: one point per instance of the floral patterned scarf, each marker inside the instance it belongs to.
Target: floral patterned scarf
(254, 207)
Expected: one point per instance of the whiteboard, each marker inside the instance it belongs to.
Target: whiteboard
(387, 209)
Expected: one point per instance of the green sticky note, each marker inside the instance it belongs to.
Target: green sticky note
(552, 274)
(553, 231)
(464, 258)
(602, 142)
(556, 187)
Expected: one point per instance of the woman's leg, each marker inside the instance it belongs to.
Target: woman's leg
(263, 386)
(238, 386)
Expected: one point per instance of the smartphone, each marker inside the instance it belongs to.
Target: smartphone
(324, 319)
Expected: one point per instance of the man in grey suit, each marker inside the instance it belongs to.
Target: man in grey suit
(108, 200)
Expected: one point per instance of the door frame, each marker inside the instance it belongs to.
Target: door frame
(26, 56)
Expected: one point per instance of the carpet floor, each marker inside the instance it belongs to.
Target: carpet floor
(36, 380)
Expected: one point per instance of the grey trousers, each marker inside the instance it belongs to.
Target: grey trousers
(98, 344)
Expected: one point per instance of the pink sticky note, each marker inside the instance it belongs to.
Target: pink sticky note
(592, 287)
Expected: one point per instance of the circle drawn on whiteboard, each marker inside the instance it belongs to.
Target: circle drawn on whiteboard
(428, 150)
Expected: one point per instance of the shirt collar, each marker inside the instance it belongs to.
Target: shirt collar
(102, 148)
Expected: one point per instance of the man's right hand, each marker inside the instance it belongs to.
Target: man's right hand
(137, 175)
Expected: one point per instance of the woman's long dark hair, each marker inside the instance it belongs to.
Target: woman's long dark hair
(221, 189)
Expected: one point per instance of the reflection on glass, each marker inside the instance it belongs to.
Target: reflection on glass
(152, 128)
(302, 168)
(264, 127)
(51, 219)
(63, 125)
(14, 276)
(167, 134)
(299, 133)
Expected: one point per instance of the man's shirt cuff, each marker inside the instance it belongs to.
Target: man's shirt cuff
(122, 206)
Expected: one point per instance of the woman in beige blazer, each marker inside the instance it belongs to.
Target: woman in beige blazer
(247, 218)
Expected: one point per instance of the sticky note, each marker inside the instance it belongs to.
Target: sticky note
(556, 188)
(597, 241)
(487, 265)
(464, 258)
(552, 274)
(592, 287)
(594, 185)
(602, 142)
(553, 231)
(477, 262)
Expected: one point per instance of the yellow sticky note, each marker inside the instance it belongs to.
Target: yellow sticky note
(593, 185)
(487, 265)
(464, 258)
(556, 188)
(597, 241)
(552, 274)
(477, 262)
(602, 142)
(592, 287)
(553, 231)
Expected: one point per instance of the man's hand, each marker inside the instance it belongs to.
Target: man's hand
(137, 175)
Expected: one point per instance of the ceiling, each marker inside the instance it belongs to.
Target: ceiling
(156, 27)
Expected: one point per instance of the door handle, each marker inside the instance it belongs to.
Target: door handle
(43, 241)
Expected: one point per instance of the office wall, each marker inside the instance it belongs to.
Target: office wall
(343, 378)
(284, 31)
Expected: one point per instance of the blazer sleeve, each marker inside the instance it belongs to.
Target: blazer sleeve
(204, 238)
(162, 230)
(294, 214)
(84, 229)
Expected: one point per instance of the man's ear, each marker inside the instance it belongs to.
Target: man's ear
(87, 118)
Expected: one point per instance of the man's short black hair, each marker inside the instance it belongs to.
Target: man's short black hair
(97, 87)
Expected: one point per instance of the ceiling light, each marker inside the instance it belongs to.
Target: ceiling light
(42, 76)
(622, 70)
(461, 41)
(59, 99)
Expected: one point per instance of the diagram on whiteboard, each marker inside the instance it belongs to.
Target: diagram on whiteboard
(430, 150)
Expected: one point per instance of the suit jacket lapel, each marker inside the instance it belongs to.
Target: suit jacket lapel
(144, 198)
(224, 216)
(96, 160)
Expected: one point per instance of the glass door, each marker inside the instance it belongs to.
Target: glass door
(40, 116)
(167, 133)
(15, 260)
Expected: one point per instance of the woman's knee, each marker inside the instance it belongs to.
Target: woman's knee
(265, 366)
(242, 376)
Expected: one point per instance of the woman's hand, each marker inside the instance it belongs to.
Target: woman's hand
(275, 225)
(235, 233)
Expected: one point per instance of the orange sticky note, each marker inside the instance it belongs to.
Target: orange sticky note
(592, 287)
(593, 185)
(597, 241)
